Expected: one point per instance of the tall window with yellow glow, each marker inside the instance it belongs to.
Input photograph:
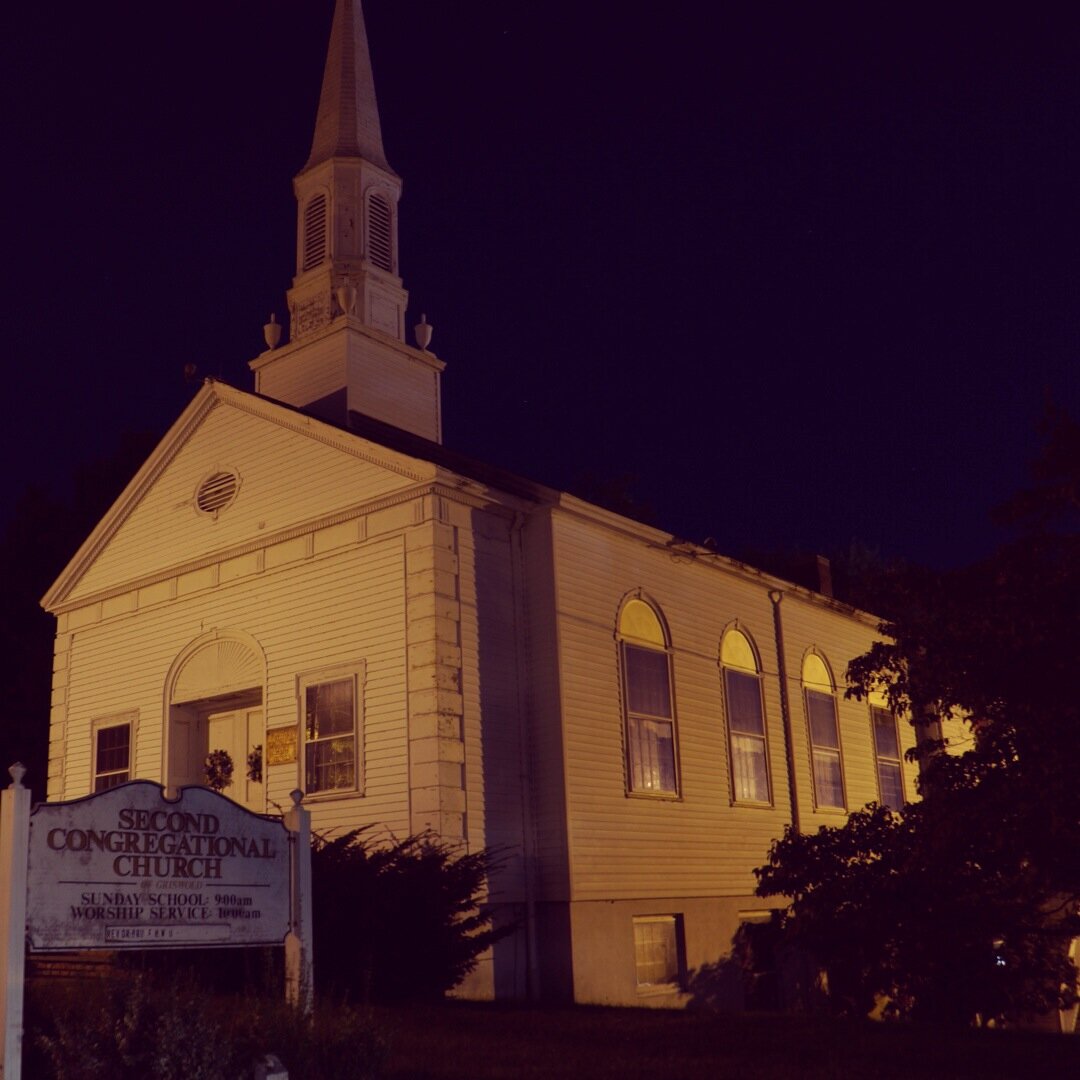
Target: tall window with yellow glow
(746, 719)
(825, 751)
(330, 736)
(887, 753)
(648, 701)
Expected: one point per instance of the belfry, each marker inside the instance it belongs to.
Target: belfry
(347, 303)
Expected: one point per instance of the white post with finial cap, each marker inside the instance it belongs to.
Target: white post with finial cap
(299, 960)
(14, 855)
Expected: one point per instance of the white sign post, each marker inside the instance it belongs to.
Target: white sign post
(299, 971)
(14, 831)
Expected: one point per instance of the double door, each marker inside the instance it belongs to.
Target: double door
(201, 728)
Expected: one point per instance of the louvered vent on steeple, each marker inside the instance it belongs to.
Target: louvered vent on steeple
(314, 232)
(380, 236)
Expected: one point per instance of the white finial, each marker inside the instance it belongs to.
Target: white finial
(297, 796)
(346, 296)
(17, 772)
(423, 331)
(272, 332)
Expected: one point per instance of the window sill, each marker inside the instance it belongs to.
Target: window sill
(330, 796)
(752, 804)
(655, 796)
(658, 989)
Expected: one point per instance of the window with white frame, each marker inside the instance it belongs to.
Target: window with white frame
(657, 952)
(112, 753)
(746, 719)
(648, 701)
(824, 729)
(331, 708)
(887, 753)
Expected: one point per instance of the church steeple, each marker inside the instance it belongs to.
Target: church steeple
(347, 196)
(347, 124)
(347, 302)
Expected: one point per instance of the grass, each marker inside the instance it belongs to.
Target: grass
(470, 1041)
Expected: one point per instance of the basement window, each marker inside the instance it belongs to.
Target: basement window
(658, 953)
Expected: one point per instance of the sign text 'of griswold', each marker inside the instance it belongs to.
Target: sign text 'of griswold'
(129, 868)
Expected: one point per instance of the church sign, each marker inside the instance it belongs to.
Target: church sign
(128, 868)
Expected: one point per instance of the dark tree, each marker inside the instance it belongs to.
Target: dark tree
(960, 908)
(44, 532)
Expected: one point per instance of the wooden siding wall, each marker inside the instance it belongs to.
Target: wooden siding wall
(286, 477)
(396, 388)
(298, 380)
(626, 846)
(382, 380)
(308, 615)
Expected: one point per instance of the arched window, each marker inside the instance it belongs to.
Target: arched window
(820, 691)
(746, 719)
(886, 752)
(647, 697)
(314, 248)
(380, 242)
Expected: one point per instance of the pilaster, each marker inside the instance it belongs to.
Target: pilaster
(436, 730)
(58, 717)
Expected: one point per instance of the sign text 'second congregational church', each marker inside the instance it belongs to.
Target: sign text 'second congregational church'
(129, 868)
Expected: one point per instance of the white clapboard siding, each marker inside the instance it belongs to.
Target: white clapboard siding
(383, 379)
(287, 476)
(404, 393)
(622, 846)
(313, 614)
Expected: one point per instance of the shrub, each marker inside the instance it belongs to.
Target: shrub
(400, 921)
(145, 1030)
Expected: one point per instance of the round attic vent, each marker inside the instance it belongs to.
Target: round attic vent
(217, 491)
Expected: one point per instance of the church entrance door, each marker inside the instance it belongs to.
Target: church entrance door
(241, 733)
(233, 723)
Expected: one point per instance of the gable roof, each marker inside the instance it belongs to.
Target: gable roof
(414, 460)
(399, 471)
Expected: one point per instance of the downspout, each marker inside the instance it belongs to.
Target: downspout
(776, 596)
(517, 557)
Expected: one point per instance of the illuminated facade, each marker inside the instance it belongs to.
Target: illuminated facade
(304, 577)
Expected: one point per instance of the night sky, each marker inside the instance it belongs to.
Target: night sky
(795, 277)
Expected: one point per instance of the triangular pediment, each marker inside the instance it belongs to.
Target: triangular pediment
(235, 469)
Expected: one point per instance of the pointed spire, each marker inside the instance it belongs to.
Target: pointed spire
(347, 124)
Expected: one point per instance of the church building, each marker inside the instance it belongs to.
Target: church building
(303, 576)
